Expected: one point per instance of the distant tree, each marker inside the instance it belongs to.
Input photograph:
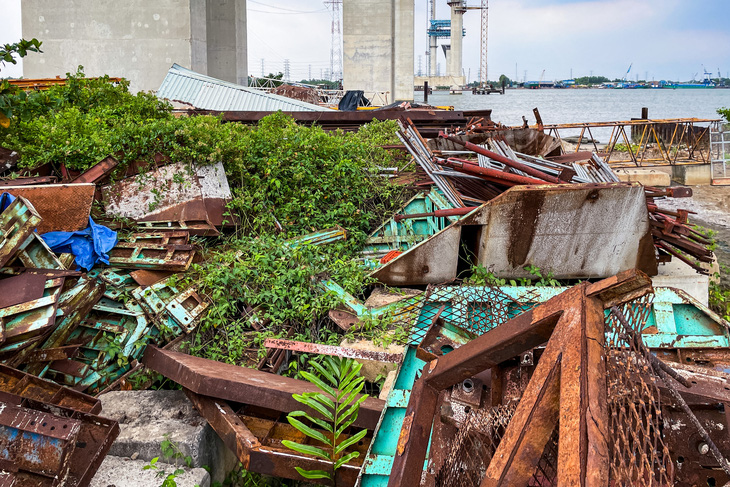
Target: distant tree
(591, 80)
(322, 83)
(258, 82)
(504, 80)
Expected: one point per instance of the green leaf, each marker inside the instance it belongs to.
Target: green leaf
(326, 373)
(346, 459)
(322, 424)
(312, 402)
(359, 382)
(306, 449)
(313, 474)
(344, 426)
(353, 410)
(317, 381)
(352, 396)
(350, 441)
(311, 432)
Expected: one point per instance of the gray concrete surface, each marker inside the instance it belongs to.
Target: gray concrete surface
(136, 39)
(124, 472)
(146, 417)
(378, 47)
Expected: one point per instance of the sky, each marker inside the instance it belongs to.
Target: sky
(659, 39)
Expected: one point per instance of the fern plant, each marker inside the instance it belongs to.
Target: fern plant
(338, 404)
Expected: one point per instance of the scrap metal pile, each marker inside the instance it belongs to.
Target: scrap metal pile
(69, 324)
(609, 382)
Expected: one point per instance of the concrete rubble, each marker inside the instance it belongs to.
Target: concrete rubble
(613, 379)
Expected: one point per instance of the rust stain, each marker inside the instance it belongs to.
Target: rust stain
(522, 226)
(62, 207)
(404, 434)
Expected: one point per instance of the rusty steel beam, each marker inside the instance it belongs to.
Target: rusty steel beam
(492, 175)
(344, 352)
(568, 385)
(243, 385)
(97, 172)
(530, 171)
(254, 455)
(28, 386)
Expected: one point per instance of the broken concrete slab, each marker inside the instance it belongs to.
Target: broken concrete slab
(125, 472)
(147, 418)
(647, 177)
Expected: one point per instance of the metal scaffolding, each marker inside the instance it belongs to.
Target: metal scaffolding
(647, 142)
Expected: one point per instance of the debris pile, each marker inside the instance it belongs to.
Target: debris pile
(599, 376)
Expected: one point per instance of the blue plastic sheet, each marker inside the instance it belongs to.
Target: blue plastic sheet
(5, 200)
(90, 245)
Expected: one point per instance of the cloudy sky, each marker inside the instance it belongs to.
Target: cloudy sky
(661, 39)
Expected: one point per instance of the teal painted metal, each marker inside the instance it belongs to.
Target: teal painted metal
(676, 321)
(403, 235)
(321, 237)
(379, 460)
(35, 254)
(24, 322)
(173, 311)
(17, 223)
(109, 321)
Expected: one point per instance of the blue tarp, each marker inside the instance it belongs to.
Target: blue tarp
(89, 245)
(5, 200)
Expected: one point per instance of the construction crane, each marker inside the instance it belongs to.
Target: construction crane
(542, 75)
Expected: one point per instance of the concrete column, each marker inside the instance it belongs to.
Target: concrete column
(403, 55)
(241, 43)
(457, 41)
(198, 36)
(433, 55)
(378, 47)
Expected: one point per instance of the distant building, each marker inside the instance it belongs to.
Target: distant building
(137, 39)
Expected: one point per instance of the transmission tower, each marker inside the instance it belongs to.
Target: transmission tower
(420, 70)
(483, 79)
(286, 70)
(336, 48)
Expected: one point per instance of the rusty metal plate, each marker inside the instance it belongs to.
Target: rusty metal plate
(574, 231)
(176, 192)
(242, 385)
(21, 289)
(48, 445)
(62, 207)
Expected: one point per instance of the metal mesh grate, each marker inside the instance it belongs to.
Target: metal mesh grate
(469, 310)
(473, 447)
(639, 456)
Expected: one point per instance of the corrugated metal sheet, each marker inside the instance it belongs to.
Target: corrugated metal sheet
(208, 93)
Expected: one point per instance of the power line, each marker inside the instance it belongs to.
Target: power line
(287, 9)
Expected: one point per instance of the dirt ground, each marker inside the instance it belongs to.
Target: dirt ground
(711, 205)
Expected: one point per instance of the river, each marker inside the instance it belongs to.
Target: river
(588, 105)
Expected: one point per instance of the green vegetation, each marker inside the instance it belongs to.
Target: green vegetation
(481, 276)
(591, 80)
(301, 178)
(8, 93)
(725, 113)
(340, 382)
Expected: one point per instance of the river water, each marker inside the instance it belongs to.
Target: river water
(589, 105)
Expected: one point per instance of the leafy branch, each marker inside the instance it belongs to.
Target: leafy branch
(338, 403)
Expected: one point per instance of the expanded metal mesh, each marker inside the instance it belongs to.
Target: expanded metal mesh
(639, 455)
(473, 447)
(469, 310)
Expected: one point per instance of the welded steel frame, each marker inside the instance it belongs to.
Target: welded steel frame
(567, 388)
(684, 133)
